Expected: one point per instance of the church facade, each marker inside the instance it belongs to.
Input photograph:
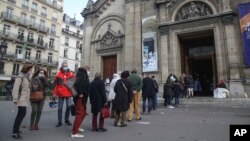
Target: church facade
(197, 37)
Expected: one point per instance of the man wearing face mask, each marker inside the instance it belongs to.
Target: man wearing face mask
(62, 92)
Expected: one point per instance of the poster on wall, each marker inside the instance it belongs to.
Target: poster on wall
(244, 15)
(149, 55)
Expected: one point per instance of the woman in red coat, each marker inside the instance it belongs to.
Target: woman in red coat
(62, 92)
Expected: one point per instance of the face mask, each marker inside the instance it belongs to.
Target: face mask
(88, 72)
(41, 75)
(65, 68)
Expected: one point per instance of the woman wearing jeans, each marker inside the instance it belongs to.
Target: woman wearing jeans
(39, 82)
(21, 97)
(82, 88)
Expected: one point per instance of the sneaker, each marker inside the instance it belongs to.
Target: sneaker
(139, 118)
(123, 125)
(129, 120)
(76, 136)
(17, 136)
(80, 130)
(170, 107)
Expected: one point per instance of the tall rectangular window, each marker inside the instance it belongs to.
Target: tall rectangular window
(26, 2)
(76, 67)
(66, 41)
(77, 44)
(34, 6)
(27, 53)
(40, 40)
(30, 36)
(18, 50)
(23, 18)
(65, 53)
(20, 34)
(44, 11)
(38, 55)
(15, 70)
(51, 43)
(77, 55)
(6, 29)
(9, 12)
(53, 29)
(50, 57)
(32, 21)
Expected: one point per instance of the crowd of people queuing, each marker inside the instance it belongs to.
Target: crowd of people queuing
(122, 94)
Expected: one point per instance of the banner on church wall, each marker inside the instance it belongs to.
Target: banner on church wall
(149, 55)
(244, 15)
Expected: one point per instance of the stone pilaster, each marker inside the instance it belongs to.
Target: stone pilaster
(236, 87)
(164, 55)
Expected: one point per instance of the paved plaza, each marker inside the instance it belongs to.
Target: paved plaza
(189, 122)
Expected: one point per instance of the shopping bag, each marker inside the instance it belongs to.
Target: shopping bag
(105, 112)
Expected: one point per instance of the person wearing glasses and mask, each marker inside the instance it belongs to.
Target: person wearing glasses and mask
(63, 93)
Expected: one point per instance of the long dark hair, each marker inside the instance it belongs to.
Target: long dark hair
(37, 72)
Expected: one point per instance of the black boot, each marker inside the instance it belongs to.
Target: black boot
(59, 124)
(17, 136)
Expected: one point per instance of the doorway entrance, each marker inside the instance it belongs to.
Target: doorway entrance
(109, 66)
(198, 60)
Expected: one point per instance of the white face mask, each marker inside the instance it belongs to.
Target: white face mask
(41, 75)
(88, 72)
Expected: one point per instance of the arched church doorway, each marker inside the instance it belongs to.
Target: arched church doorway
(198, 59)
(109, 66)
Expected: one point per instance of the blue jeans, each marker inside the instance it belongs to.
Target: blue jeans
(169, 100)
(144, 99)
(155, 101)
(60, 107)
(177, 99)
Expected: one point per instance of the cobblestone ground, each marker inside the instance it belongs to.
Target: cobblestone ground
(186, 123)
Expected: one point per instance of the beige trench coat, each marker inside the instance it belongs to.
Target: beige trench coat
(22, 99)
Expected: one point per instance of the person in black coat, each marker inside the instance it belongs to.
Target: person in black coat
(123, 97)
(148, 92)
(98, 99)
(82, 87)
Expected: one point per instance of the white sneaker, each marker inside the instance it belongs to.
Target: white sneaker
(170, 107)
(80, 130)
(76, 136)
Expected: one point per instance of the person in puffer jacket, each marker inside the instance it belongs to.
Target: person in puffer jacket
(63, 93)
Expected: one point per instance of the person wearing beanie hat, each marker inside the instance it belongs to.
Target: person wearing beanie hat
(21, 97)
(63, 93)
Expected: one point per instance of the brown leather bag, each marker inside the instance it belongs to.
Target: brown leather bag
(36, 96)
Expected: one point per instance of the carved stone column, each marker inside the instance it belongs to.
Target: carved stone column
(235, 84)
(164, 54)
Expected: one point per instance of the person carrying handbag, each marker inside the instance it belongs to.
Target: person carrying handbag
(21, 98)
(39, 83)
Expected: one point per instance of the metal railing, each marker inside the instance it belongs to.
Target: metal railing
(52, 4)
(33, 60)
(23, 21)
(75, 34)
(23, 39)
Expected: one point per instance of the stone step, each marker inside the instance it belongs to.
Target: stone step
(206, 101)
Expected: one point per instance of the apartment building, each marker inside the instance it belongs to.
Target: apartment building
(31, 31)
(71, 38)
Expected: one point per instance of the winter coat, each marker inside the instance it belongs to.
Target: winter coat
(123, 97)
(136, 82)
(39, 85)
(112, 86)
(167, 89)
(176, 89)
(22, 84)
(60, 89)
(82, 84)
(190, 82)
(97, 95)
(148, 89)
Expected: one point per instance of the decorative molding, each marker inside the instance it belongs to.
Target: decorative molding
(193, 10)
(228, 19)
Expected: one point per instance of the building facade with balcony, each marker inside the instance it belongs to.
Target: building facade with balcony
(30, 30)
(71, 41)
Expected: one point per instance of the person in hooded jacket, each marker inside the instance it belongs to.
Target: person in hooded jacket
(82, 87)
(112, 92)
(63, 93)
(123, 97)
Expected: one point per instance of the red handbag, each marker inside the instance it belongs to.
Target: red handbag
(105, 112)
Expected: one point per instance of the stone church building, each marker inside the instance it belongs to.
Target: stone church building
(197, 37)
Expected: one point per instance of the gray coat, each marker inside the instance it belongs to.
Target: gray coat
(23, 82)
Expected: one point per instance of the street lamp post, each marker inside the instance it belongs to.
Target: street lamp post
(3, 48)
